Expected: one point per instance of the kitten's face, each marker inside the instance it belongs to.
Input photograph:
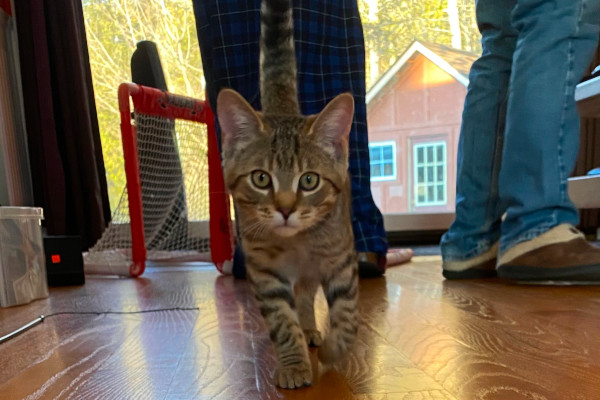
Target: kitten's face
(282, 182)
(285, 172)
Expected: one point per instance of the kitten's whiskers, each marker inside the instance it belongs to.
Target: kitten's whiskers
(255, 229)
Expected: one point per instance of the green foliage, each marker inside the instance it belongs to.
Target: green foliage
(400, 22)
(113, 28)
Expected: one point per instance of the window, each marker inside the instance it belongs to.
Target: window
(429, 160)
(383, 161)
(113, 29)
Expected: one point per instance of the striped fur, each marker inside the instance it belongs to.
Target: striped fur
(288, 177)
(278, 85)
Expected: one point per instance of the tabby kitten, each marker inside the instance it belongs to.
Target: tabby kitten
(288, 175)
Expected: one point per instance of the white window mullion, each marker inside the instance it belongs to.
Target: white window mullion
(431, 182)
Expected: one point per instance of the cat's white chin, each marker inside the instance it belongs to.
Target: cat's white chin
(285, 231)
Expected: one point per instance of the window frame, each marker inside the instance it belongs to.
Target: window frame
(428, 163)
(381, 144)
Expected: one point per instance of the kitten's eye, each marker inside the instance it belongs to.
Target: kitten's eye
(309, 181)
(261, 179)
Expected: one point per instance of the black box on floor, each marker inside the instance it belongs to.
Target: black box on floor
(64, 260)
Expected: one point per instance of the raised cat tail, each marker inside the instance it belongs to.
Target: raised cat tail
(278, 81)
(341, 292)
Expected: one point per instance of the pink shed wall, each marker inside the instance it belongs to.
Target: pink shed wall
(423, 103)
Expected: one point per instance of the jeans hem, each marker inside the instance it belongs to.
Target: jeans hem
(482, 247)
(526, 236)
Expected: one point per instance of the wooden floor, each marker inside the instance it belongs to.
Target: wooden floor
(420, 338)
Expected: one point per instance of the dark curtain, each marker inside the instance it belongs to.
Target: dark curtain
(64, 143)
(589, 158)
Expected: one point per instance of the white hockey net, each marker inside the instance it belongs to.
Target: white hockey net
(173, 166)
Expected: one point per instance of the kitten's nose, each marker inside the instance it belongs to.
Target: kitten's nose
(285, 203)
(285, 212)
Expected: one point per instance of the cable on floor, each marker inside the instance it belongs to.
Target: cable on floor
(41, 318)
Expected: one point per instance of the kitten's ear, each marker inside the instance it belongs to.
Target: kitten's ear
(332, 125)
(239, 122)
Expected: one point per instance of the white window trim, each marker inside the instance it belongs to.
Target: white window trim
(415, 174)
(395, 165)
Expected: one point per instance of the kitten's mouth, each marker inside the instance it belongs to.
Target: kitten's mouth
(285, 230)
(285, 226)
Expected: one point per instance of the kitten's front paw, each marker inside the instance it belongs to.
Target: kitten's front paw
(293, 376)
(313, 337)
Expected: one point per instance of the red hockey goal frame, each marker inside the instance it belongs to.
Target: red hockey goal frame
(155, 102)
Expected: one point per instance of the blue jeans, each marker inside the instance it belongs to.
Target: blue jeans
(520, 130)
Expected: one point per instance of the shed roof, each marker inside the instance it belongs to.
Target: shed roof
(455, 62)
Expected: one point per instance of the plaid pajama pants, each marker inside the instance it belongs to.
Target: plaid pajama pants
(331, 60)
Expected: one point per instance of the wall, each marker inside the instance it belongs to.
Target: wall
(422, 103)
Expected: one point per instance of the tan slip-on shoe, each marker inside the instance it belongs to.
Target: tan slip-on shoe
(561, 254)
(480, 266)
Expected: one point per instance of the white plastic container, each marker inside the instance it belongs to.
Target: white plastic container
(22, 259)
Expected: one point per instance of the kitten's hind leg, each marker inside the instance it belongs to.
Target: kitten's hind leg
(277, 304)
(341, 291)
(305, 291)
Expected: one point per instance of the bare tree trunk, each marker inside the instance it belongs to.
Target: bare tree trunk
(454, 21)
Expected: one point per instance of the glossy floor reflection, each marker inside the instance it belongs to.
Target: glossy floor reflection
(421, 338)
